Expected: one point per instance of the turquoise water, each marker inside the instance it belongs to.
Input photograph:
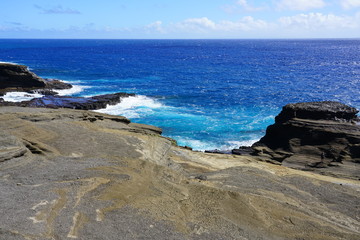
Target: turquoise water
(206, 94)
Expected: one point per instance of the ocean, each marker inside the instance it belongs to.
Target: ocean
(206, 94)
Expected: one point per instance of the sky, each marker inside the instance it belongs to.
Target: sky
(179, 19)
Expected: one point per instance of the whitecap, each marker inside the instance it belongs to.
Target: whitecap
(20, 96)
(133, 107)
(67, 92)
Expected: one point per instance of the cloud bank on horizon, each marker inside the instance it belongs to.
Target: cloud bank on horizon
(180, 19)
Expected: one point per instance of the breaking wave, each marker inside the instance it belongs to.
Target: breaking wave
(133, 107)
(74, 90)
(20, 96)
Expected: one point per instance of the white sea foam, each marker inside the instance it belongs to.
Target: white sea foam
(197, 145)
(204, 145)
(9, 63)
(75, 89)
(24, 96)
(132, 107)
(20, 96)
(237, 144)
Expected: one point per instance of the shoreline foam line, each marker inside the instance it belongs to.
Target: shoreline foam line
(10, 63)
(20, 96)
(132, 107)
(200, 145)
(68, 92)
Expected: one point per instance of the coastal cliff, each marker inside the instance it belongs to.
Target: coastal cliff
(15, 77)
(18, 76)
(71, 174)
(316, 136)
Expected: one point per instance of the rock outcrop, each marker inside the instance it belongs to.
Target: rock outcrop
(14, 77)
(314, 134)
(18, 76)
(10, 147)
(83, 103)
(72, 174)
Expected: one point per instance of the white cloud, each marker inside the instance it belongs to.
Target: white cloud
(155, 26)
(240, 6)
(196, 24)
(246, 6)
(247, 23)
(349, 4)
(206, 25)
(319, 21)
(309, 25)
(300, 5)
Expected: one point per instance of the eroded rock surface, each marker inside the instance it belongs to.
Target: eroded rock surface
(18, 76)
(14, 77)
(86, 175)
(10, 147)
(315, 135)
(83, 103)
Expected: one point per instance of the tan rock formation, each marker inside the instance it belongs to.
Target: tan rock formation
(85, 175)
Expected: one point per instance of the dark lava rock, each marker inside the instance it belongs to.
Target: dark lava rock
(18, 76)
(243, 150)
(218, 151)
(306, 133)
(14, 77)
(91, 103)
(44, 91)
(326, 110)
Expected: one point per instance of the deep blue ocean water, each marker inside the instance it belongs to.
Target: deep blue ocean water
(206, 94)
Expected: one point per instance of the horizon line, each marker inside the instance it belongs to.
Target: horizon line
(315, 38)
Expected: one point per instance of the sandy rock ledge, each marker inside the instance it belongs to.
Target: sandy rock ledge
(71, 174)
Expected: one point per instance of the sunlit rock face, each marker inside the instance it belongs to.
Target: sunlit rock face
(314, 134)
(18, 76)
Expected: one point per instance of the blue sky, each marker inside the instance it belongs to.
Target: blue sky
(179, 19)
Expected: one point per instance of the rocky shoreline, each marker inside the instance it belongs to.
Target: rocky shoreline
(18, 78)
(314, 135)
(14, 77)
(76, 174)
(90, 103)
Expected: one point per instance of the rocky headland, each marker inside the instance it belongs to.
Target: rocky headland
(14, 77)
(76, 174)
(316, 136)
